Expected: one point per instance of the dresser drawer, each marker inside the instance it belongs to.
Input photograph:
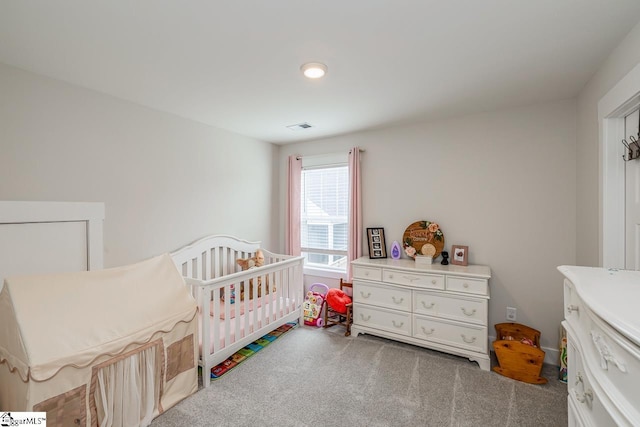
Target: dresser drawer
(421, 280)
(614, 361)
(468, 285)
(573, 306)
(584, 399)
(450, 333)
(380, 318)
(382, 296)
(471, 310)
(367, 273)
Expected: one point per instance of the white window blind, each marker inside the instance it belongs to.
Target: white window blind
(325, 216)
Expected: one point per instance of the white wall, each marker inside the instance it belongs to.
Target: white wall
(503, 183)
(589, 212)
(165, 180)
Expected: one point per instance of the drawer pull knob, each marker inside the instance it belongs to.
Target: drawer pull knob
(468, 341)
(464, 310)
(396, 325)
(366, 319)
(586, 397)
(465, 285)
(606, 355)
(365, 296)
(391, 276)
(571, 308)
(397, 301)
(429, 332)
(428, 306)
(366, 273)
(434, 281)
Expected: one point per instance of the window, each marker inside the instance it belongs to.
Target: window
(325, 216)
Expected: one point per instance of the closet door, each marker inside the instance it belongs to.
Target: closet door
(50, 237)
(39, 248)
(632, 198)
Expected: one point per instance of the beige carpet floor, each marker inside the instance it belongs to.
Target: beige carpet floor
(315, 377)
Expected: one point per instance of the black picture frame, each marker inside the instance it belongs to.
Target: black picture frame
(377, 245)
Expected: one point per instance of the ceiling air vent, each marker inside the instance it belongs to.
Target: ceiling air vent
(300, 126)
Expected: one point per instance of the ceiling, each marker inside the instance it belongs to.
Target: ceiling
(235, 65)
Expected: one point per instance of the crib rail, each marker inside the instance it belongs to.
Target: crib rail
(260, 304)
(273, 294)
(210, 263)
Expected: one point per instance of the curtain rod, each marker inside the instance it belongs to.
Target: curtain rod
(300, 157)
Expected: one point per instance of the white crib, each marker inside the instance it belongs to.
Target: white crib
(209, 268)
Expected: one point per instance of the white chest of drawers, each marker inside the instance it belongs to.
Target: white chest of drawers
(602, 319)
(444, 308)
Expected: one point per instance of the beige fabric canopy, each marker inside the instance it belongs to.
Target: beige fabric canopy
(62, 324)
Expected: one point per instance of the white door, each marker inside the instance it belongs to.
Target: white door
(632, 198)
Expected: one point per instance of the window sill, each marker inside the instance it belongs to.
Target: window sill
(327, 274)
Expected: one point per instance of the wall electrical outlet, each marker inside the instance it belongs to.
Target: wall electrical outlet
(511, 313)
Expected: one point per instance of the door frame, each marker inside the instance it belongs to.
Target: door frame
(621, 100)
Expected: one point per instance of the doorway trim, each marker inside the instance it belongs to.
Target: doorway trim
(621, 100)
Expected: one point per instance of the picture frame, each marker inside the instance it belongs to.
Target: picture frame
(459, 255)
(377, 245)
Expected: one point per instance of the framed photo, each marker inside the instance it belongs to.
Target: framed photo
(377, 247)
(459, 255)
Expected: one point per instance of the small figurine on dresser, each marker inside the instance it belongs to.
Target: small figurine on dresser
(445, 258)
(395, 250)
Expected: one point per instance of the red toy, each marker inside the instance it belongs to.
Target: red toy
(339, 308)
(338, 300)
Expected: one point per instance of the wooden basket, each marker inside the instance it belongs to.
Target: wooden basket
(517, 360)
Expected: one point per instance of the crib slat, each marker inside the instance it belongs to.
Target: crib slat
(200, 266)
(224, 261)
(227, 315)
(282, 292)
(293, 297)
(254, 317)
(205, 308)
(207, 265)
(189, 268)
(265, 319)
(236, 319)
(275, 300)
(197, 267)
(216, 324)
(247, 314)
(266, 294)
(216, 264)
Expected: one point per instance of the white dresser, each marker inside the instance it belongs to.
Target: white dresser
(442, 307)
(602, 319)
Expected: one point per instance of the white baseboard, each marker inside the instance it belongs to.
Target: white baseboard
(551, 355)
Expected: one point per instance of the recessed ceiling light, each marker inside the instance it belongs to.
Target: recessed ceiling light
(313, 70)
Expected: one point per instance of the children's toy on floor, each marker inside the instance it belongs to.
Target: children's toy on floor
(518, 351)
(562, 373)
(314, 304)
(338, 309)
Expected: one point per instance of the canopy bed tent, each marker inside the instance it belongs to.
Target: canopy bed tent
(102, 347)
(117, 343)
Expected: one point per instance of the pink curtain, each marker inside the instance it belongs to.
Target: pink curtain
(294, 193)
(355, 209)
